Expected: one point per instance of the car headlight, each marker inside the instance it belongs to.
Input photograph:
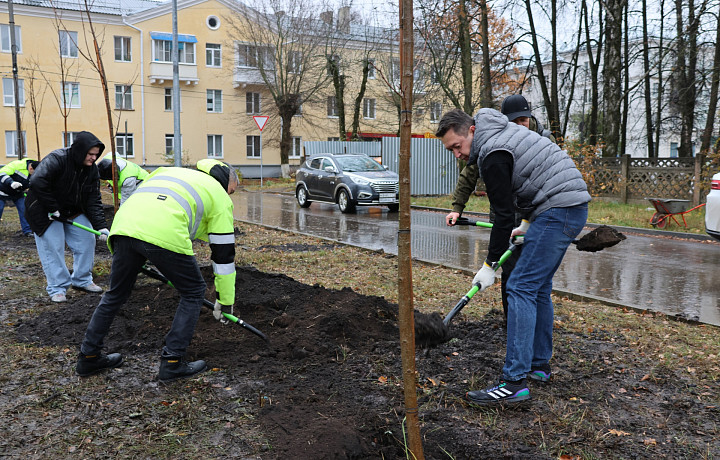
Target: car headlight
(358, 179)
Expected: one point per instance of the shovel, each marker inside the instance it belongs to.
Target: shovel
(71, 222)
(432, 329)
(466, 298)
(596, 240)
(158, 276)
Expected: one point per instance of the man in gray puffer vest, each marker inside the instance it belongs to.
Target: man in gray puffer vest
(526, 172)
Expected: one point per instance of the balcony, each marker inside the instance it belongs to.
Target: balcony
(160, 72)
(244, 76)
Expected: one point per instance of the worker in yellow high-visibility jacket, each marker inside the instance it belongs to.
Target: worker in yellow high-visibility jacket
(172, 207)
(130, 175)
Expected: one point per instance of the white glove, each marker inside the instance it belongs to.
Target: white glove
(485, 277)
(16, 185)
(219, 309)
(521, 230)
(103, 236)
(54, 215)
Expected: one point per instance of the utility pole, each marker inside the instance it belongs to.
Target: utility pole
(13, 48)
(405, 291)
(177, 144)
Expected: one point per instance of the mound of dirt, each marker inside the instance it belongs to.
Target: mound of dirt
(328, 383)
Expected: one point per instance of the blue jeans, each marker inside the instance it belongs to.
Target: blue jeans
(51, 249)
(530, 313)
(20, 205)
(129, 255)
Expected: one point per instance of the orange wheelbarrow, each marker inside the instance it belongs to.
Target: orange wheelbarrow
(668, 209)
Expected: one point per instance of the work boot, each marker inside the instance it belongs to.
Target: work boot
(175, 367)
(92, 364)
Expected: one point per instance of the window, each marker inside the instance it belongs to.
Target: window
(214, 100)
(169, 144)
(162, 51)
(69, 138)
(673, 149)
(213, 22)
(212, 55)
(123, 97)
(296, 147)
(435, 112)
(371, 69)
(71, 95)
(122, 49)
(332, 110)
(252, 103)
(295, 62)
(125, 145)
(168, 99)
(215, 146)
(251, 56)
(333, 139)
(253, 146)
(333, 59)
(368, 108)
(68, 44)
(434, 76)
(11, 147)
(9, 92)
(5, 38)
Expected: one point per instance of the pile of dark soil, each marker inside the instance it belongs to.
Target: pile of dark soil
(327, 385)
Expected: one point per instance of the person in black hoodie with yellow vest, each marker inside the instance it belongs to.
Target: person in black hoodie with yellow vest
(64, 187)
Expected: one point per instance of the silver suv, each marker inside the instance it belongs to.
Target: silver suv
(350, 180)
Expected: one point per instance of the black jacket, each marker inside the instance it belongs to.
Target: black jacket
(62, 182)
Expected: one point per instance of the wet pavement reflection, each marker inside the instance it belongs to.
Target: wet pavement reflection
(676, 277)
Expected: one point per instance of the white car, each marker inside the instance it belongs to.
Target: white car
(712, 209)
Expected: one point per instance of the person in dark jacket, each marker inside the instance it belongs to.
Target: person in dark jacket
(14, 180)
(66, 187)
(517, 110)
(525, 171)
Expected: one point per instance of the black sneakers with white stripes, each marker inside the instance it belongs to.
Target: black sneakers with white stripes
(505, 392)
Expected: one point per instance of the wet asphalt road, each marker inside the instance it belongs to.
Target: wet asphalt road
(676, 277)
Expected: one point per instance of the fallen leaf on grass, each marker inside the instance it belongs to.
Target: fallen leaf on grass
(645, 377)
(569, 457)
(649, 442)
(382, 379)
(618, 432)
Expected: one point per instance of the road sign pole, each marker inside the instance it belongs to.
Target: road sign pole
(261, 162)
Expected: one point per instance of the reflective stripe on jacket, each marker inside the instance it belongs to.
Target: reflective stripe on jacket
(174, 206)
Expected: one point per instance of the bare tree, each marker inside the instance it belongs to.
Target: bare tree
(36, 90)
(459, 37)
(612, 77)
(713, 97)
(284, 41)
(69, 69)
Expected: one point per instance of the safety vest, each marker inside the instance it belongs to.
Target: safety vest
(18, 167)
(174, 206)
(127, 169)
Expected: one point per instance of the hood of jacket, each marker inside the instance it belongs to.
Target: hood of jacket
(83, 142)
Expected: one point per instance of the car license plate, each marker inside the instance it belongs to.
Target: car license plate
(387, 197)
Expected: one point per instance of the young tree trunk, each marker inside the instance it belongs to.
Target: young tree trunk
(612, 77)
(486, 99)
(593, 63)
(659, 96)
(626, 82)
(465, 56)
(647, 83)
(357, 107)
(339, 85)
(714, 84)
(686, 70)
(542, 81)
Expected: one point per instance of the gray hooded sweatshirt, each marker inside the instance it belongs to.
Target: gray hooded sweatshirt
(543, 176)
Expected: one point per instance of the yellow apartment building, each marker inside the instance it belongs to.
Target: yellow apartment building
(220, 88)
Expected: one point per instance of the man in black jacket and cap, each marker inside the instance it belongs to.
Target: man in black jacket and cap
(66, 187)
